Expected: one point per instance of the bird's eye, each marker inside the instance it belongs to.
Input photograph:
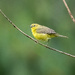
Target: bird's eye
(34, 25)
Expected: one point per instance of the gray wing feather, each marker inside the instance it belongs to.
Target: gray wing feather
(45, 30)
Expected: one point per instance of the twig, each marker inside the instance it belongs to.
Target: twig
(34, 39)
(69, 11)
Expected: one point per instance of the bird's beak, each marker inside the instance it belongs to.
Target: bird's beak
(31, 26)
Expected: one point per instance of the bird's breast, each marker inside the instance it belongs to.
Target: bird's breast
(41, 36)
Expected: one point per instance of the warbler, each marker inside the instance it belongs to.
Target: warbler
(44, 33)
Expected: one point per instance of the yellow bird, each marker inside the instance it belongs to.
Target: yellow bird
(44, 33)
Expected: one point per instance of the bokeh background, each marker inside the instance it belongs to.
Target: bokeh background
(21, 56)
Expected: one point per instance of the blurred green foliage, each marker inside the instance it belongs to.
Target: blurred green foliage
(21, 56)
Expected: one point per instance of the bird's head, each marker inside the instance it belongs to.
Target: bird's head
(34, 26)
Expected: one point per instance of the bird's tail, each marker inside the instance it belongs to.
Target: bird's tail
(58, 35)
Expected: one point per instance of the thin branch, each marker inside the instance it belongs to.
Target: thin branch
(34, 39)
(69, 11)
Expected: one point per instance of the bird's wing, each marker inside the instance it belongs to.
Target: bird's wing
(45, 30)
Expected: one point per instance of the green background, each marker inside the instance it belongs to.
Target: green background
(21, 56)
